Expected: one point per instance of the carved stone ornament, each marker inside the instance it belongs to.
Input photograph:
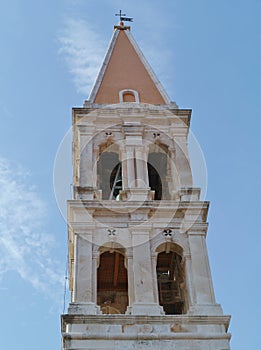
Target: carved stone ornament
(112, 234)
(167, 234)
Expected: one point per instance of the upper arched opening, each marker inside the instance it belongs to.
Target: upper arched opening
(129, 95)
(109, 172)
(158, 171)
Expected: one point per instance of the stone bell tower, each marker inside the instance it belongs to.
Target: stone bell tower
(138, 262)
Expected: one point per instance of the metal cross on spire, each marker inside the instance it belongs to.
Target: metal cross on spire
(123, 18)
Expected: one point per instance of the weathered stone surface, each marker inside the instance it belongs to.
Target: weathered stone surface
(141, 332)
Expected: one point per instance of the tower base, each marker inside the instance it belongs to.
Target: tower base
(117, 332)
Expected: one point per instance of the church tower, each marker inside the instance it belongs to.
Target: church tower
(138, 262)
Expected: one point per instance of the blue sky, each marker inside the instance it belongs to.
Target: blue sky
(207, 56)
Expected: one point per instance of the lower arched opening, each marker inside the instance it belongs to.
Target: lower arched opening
(171, 289)
(112, 283)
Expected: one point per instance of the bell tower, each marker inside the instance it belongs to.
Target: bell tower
(138, 261)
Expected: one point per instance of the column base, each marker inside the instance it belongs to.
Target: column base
(84, 309)
(86, 193)
(206, 310)
(137, 194)
(186, 194)
(145, 309)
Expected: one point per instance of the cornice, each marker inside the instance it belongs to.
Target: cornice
(162, 204)
(139, 319)
(145, 113)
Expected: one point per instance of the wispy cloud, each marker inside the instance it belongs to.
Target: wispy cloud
(83, 50)
(24, 246)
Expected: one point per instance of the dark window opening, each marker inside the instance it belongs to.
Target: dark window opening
(155, 182)
(116, 182)
(157, 171)
(112, 283)
(109, 175)
(170, 277)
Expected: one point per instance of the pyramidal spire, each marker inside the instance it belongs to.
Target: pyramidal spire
(125, 75)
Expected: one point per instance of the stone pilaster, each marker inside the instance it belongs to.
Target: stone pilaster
(204, 299)
(145, 302)
(83, 297)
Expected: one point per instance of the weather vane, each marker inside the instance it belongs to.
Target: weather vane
(123, 18)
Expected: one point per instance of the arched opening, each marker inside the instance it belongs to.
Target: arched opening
(171, 285)
(109, 175)
(154, 179)
(116, 182)
(157, 171)
(112, 283)
(128, 97)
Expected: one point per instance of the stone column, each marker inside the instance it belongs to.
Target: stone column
(95, 265)
(133, 138)
(129, 263)
(135, 190)
(83, 276)
(141, 168)
(203, 295)
(154, 276)
(145, 165)
(182, 162)
(175, 181)
(86, 156)
(95, 156)
(144, 298)
(130, 166)
(123, 160)
(85, 189)
(191, 297)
